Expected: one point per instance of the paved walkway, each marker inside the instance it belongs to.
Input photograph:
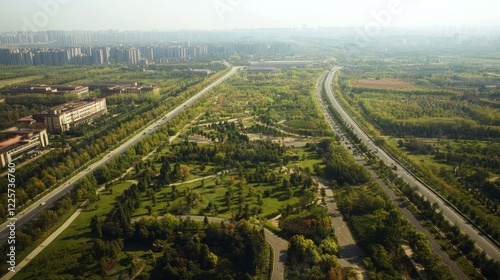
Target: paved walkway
(45, 243)
(350, 253)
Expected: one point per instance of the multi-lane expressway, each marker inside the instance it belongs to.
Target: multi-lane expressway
(449, 213)
(46, 202)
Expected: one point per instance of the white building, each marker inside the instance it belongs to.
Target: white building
(61, 118)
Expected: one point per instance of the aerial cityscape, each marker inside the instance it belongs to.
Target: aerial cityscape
(233, 139)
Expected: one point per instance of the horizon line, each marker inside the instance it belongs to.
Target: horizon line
(257, 28)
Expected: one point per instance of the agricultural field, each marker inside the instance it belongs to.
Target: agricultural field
(385, 83)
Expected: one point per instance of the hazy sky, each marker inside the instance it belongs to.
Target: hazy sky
(18, 15)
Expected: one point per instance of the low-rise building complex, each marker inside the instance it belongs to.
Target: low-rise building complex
(21, 141)
(79, 91)
(108, 89)
(62, 117)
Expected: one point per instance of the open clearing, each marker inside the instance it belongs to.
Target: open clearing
(382, 83)
(9, 82)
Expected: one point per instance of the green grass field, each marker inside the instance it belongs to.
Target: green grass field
(216, 195)
(20, 80)
(78, 233)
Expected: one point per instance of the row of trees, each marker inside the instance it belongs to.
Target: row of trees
(228, 155)
(428, 211)
(338, 166)
(32, 232)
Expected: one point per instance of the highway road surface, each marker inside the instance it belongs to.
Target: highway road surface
(449, 213)
(343, 234)
(48, 200)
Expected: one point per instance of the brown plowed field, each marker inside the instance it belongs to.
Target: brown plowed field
(382, 83)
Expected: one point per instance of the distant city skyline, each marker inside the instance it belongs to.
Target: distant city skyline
(40, 15)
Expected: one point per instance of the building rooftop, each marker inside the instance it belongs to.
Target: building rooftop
(53, 89)
(18, 137)
(21, 131)
(9, 142)
(73, 105)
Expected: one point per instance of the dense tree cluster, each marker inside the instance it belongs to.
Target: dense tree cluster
(222, 132)
(118, 222)
(266, 130)
(9, 113)
(230, 154)
(313, 247)
(310, 260)
(339, 167)
(211, 251)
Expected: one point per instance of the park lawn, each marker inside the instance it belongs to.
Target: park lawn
(78, 233)
(311, 158)
(425, 161)
(216, 195)
(249, 122)
(428, 162)
(20, 80)
(124, 261)
(79, 230)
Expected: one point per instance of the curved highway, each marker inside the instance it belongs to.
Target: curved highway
(449, 213)
(46, 202)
